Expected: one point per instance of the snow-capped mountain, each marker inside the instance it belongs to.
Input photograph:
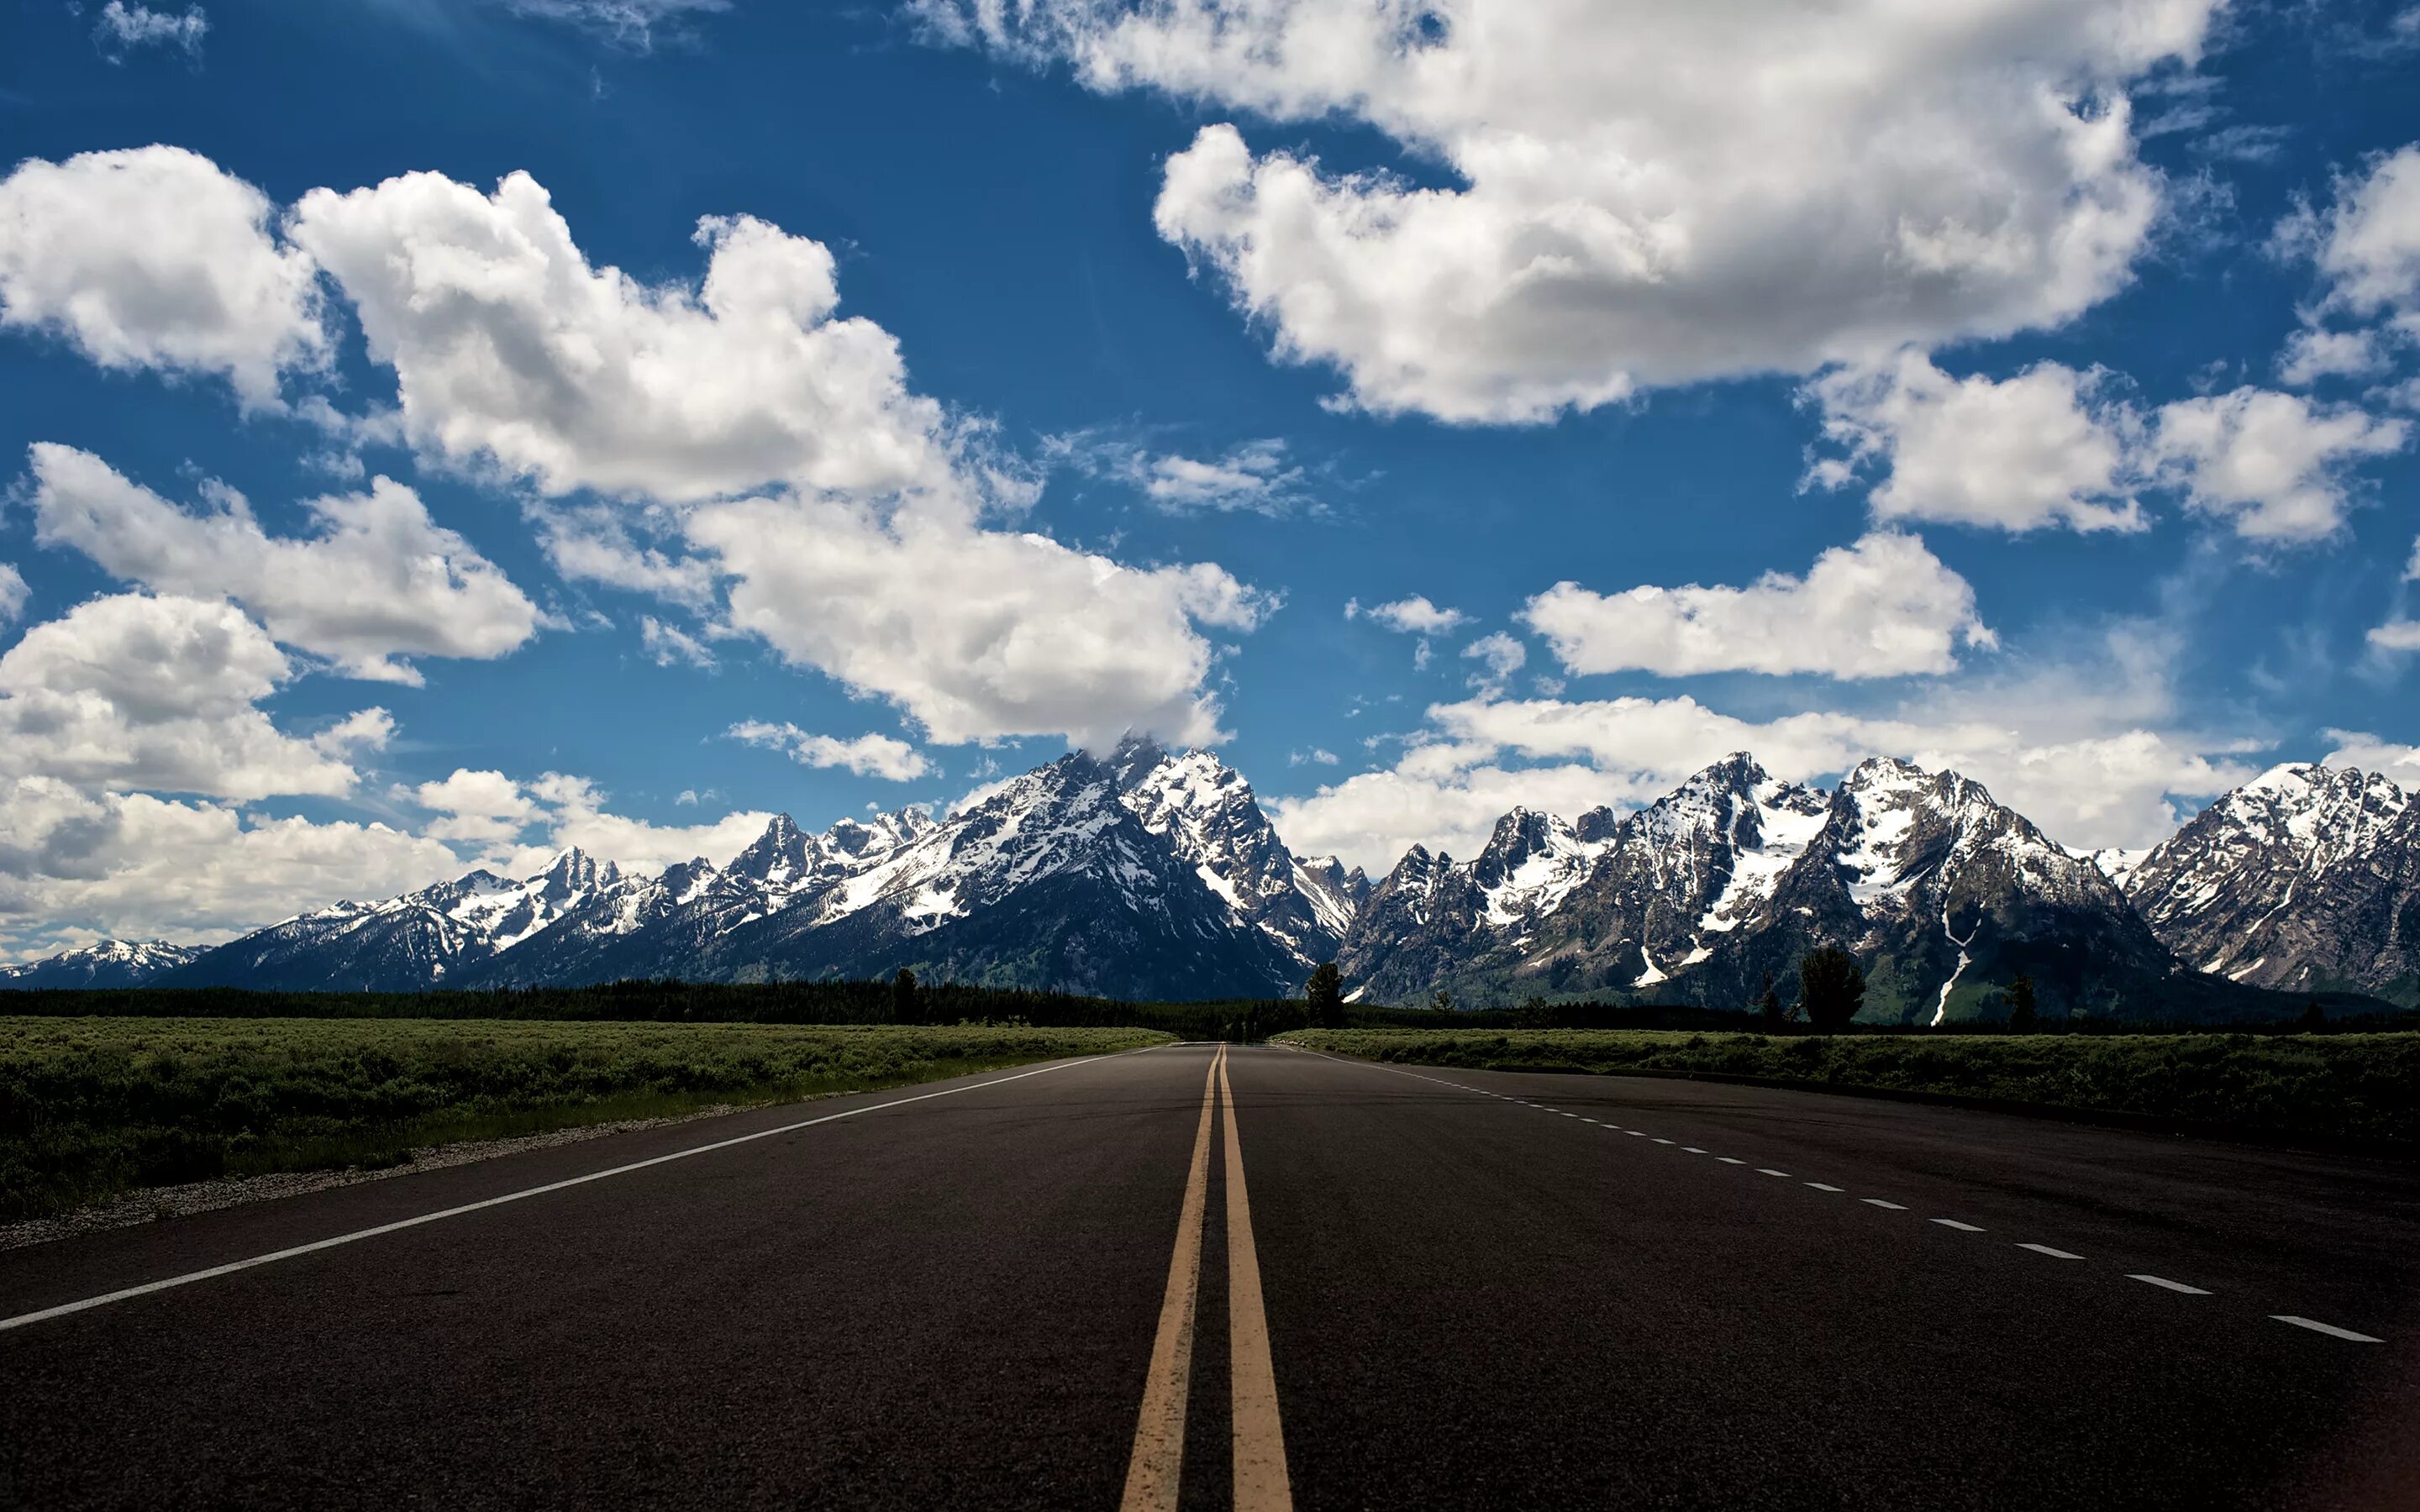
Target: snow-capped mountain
(2308, 878)
(107, 963)
(1944, 893)
(1206, 810)
(1434, 918)
(1147, 874)
(427, 938)
(1143, 875)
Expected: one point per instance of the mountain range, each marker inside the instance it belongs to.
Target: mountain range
(1147, 874)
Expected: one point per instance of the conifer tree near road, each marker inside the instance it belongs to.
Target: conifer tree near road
(1325, 993)
(2023, 1017)
(1768, 1007)
(1832, 986)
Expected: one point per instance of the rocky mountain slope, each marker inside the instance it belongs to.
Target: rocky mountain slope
(1147, 874)
(429, 938)
(1942, 892)
(2305, 879)
(1141, 875)
(107, 963)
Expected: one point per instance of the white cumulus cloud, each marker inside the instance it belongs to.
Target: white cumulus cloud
(1640, 194)
(138, 691)
(2368, 243)
(1414, 616)
(2272, 465)
(2051, 446)
(510, 349)
(976, 633)
(498, 814)
(153, 258)
(134, 866)
(875, 559)
(868, 755)
(1500, 655)
(1885, 607)
(2044, 447)
(13, 593)
(377, 579)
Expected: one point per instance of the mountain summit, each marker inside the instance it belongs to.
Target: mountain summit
(1143, 873)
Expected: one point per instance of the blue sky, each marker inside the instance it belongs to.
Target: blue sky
(1257, 381)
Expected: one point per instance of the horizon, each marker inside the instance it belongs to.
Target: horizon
(611, 425)
(527, 866)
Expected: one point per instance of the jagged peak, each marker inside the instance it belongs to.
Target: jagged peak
(1883, 771)
(781, 830)
(574, 868)
(782, 840)
(2289, 776)
(1738, 772)
(1596, 827)
(1524, 829)
(2308, 782)
(1134, 757)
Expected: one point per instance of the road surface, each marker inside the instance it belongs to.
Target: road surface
(1336, 1285)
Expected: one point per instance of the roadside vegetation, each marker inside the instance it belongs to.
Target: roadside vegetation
(2362, 1089)
(91, 1108)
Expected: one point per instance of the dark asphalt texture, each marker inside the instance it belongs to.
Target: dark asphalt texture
(1471, 1303)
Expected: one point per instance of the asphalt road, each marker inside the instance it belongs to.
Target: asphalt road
(1461, 1289)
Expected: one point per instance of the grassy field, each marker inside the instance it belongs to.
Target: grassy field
(2363, 1088)
(92, 1107)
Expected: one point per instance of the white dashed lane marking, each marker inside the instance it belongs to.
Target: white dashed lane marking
(2329, 1328)
(2312, 1324)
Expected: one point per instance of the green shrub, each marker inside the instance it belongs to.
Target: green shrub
(91, 1108)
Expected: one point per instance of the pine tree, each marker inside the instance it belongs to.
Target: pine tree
(1442, 1002)
(2315, 1018)
(904, 1006)
(2023, 1016)
(1768, 1007)
(1326, 994)
(1833, 987)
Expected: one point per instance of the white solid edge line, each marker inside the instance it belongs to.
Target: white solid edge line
(22, 1320)
(2165, 1282)
(2054, 1254)
(1877, 1202)
(1968, 1228)
(2329, 1328)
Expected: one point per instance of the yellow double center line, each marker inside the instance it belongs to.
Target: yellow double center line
(1260, 1464)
